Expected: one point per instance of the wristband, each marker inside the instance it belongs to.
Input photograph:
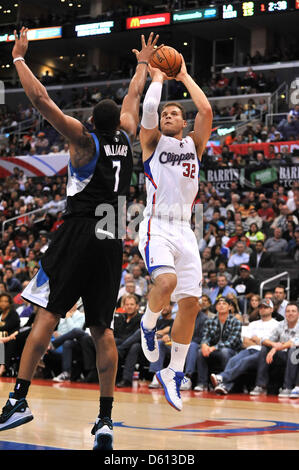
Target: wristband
(142, 62)
(18, 58)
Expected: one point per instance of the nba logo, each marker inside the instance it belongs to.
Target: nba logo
(152, 260)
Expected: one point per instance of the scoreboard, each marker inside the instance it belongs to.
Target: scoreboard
(253, 8)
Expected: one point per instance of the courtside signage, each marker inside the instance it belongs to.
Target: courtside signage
(92, 29)
(147, 21)
(195, 15)
(36, 34)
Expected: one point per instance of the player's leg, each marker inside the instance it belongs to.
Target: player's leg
(159, 297)
(181, 336)
(158, 255)
(103, 274)
(187, 293)
(106, 361)
(16, 410)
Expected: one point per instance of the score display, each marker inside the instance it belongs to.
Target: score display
(248, 9)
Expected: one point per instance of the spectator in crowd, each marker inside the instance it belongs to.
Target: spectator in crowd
(208, 263)
(280, 345)
(221, 290)
(63, 342)
(240, 257)
(129, 289)
(266, 212)
(281, 220)
(221, 339)
(279, 299)
(239, 233)
(9, 324)
(125, 326)
(11, 282)
(139, 280)
(254, 234)
(276, 243)
(293, 247)
(234, 308)
(245, 285)
(253, 308)
(260, 258)
(247, 359)
(253, 218)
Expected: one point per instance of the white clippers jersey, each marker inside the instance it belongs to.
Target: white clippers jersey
(172, 177)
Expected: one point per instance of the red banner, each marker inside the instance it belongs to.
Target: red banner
(267, 147)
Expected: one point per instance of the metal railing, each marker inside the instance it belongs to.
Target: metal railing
(276, 97)
(23, 126)
(274, 278)
(271, 118)
(30, 215)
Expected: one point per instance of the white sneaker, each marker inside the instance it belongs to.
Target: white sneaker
(63, 377)
(154, 383)
(186, 384)
(258, 391)
(216, 380)
(171, 382)
(149, 343)
(284, 393)
(295, 392)
(201, 388)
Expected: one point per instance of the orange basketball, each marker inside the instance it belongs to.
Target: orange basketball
(168, 60)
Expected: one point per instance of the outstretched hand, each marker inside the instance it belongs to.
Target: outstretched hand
(147, 49)
(21, 43)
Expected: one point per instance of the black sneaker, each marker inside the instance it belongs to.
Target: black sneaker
(15, 413)
(103, 434)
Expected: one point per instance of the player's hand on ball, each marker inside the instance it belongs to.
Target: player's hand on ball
(183, 71)
(157, 74)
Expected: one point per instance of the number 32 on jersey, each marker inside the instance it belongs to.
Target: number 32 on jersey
(190, 169)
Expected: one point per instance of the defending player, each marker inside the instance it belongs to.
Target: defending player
(167, 242)
(78, 263)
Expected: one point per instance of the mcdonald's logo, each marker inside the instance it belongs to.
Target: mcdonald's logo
(147, 21)
(134, 22)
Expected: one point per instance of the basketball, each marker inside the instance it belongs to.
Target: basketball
(168, 60)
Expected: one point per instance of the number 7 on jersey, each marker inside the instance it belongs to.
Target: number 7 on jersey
(116, 164)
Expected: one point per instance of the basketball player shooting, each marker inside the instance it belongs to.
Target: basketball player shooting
(78, 263)
(166, 241)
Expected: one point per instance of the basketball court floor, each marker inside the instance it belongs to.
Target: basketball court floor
(143, 420)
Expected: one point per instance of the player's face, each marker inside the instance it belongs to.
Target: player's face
(172, 122)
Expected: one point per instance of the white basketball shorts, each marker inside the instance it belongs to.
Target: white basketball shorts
(172, 246)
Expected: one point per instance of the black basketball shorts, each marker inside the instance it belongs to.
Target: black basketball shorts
(78, 264)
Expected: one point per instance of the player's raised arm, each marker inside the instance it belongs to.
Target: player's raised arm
(204, 117)
(129, 116)
(149, 132)
(68, 126)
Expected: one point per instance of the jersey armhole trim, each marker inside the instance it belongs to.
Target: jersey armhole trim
(128, 138)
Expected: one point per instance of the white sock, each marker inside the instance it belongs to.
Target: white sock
(178, 356)
(149, 318)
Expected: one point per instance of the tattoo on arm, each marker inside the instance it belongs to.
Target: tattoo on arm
(83, 150)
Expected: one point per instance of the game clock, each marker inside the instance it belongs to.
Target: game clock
(269, 7)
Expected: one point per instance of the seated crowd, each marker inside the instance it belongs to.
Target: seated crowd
(41, 141)
(248, 236)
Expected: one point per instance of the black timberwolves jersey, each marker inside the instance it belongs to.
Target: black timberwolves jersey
(100, 182)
